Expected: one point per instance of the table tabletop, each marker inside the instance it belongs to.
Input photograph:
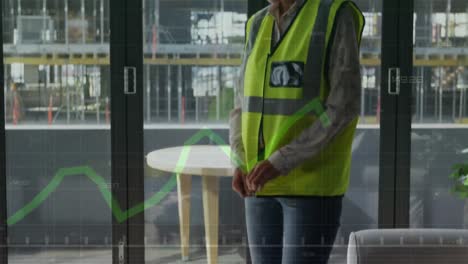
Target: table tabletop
(202, 160)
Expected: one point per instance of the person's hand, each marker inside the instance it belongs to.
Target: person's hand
(261, 174)
(239, 185)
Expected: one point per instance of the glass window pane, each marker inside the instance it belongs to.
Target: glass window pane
(192, 52)
(57, 100)
(439, 143)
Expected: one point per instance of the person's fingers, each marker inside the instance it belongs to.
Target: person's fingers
(243, 183)
(246, 188)
(255, 178)
(249, 177)
(239, 187)
(266, 176)
(259, 177)
(238, 184)
(248, 192)
(252, 172)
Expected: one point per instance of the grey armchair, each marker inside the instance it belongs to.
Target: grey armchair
(408, 246)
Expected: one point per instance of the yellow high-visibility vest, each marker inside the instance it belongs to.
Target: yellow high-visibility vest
(285, 86)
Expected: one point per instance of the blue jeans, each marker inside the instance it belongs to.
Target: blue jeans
(292, 230)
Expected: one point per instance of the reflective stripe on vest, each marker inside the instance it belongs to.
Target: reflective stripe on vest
(273, 106)
(313, 68)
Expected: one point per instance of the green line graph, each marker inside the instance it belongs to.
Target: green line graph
(103, 187)
(156, 198)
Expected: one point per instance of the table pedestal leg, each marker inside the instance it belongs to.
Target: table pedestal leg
(210, 187)
(184, 187)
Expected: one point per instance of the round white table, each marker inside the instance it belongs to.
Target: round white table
(209, 162)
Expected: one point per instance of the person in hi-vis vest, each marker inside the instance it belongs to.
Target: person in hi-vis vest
(291, 131)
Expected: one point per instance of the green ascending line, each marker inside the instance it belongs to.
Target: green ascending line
(122, 216)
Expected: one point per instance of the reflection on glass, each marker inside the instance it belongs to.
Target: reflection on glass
(191, 57)
(439, 140)
(56, 62)
(56, 86)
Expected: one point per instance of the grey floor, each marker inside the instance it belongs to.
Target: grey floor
(159, 255)
(103, 256)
